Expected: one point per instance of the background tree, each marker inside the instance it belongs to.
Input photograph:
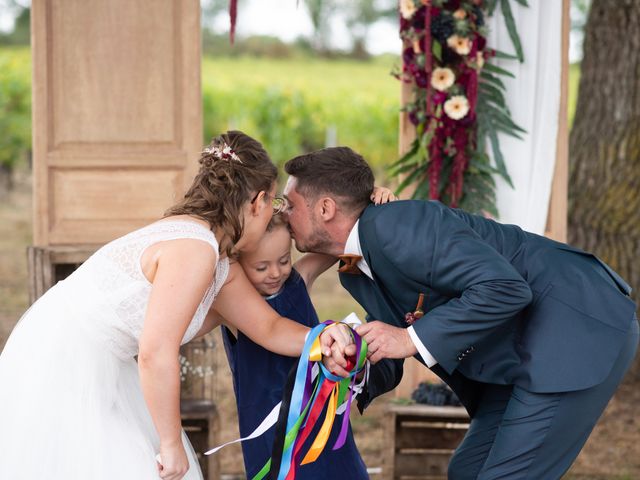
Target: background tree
(210, 9)
(604, 182)
(320, 12)
(21, 12)
(360, 15)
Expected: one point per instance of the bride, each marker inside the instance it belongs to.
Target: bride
(74, 403)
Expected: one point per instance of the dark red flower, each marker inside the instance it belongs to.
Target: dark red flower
(422, 80)
(408, 55)
(481, 42)
(453, 4)
(439, 98)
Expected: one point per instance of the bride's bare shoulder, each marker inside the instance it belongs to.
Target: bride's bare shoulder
(179, 254)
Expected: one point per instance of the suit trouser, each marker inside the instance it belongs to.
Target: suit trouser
(516, 434)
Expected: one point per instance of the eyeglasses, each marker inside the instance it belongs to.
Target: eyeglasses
(278, 204)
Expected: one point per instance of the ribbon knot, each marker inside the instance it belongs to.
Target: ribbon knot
(350, 264)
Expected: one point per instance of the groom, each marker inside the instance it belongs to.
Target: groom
(534, 336)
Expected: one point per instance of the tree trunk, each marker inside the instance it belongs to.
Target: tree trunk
(604, 178)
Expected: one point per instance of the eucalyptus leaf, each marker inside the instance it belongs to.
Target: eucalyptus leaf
(413, 149)
(505, 55)
(493, 93)
(489, 67)
(498, 157)
(486, 77)
(422, 190)
(410, 178)
(436, 49)
(491, 6)
(510, 23)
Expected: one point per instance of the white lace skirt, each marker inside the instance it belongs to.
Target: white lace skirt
(69, 408)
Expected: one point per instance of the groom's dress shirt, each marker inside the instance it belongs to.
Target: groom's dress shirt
(352, 247)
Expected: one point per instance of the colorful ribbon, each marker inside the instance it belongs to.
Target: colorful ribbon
(309, 388)
(303, 404)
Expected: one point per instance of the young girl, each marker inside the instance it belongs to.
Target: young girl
(259, 375)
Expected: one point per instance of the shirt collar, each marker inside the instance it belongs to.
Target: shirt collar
(352, 247)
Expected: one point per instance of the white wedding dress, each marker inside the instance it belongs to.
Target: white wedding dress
(71, 405)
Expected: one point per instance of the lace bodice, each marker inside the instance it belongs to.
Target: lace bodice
(110, 292)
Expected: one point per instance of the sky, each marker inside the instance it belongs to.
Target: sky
(288, 19)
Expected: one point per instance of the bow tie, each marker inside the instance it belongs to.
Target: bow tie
(350, 264)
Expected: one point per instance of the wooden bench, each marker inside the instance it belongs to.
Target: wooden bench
(422, 439)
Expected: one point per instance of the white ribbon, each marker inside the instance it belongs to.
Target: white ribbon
(266, 424)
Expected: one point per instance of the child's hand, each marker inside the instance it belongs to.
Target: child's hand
(337, 344)
(382, 195)
(337, 362)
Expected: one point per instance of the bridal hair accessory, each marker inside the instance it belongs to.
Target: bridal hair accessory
(223, 152)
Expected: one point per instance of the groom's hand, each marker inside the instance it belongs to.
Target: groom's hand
(385, 341)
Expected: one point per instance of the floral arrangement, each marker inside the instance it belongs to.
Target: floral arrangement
(458, 101)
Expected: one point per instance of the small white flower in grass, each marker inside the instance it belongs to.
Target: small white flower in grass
(456, 107)
(407, 8)
(461, 45)
(442, 78)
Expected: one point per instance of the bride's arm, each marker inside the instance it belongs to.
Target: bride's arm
(243, 308)
(184, 271)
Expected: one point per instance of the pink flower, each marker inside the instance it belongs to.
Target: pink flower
(407, 8)
(456, 107)
(460, 14)
(439, 98)
(461, 45)
(442, 78)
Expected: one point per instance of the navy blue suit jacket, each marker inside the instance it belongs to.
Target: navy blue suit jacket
(502, 306)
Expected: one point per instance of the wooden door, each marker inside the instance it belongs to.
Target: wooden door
(117, 115)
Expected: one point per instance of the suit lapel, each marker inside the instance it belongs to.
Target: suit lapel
(395, 314)
(369, 296)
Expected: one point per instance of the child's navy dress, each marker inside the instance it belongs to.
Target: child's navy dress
(258, 379)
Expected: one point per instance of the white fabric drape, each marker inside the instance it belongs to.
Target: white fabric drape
(533, 97)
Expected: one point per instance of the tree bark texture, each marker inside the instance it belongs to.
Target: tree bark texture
(604, 159)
